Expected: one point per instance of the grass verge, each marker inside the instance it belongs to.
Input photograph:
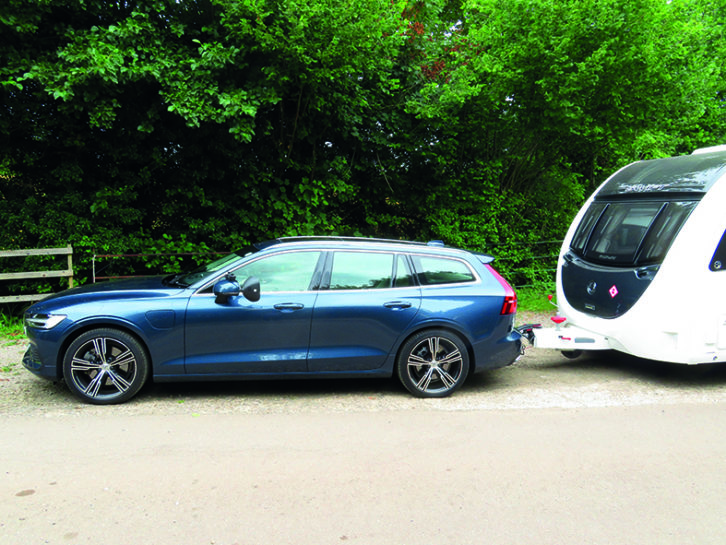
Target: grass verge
(534, 299)
(11, 328)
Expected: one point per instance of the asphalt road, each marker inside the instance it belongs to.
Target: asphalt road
(603, 450)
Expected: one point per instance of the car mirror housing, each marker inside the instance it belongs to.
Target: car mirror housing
(251, 289)
(224, 289)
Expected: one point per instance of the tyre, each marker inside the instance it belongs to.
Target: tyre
(433, 363)
(571, 354)
(105, 366)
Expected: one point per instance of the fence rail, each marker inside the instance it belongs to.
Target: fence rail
(65, 273)
(97, 258)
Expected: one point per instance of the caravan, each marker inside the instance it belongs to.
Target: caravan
(642, 269)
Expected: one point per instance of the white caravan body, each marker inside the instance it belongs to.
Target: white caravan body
(642, 269)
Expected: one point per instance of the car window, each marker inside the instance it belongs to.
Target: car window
(441, 270)
(291, 271)
(404, 277)
(361, 271)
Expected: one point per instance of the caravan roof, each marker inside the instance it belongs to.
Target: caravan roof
(687, 174)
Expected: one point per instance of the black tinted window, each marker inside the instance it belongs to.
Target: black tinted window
(621, 228)
(630, 232)
(664, 230)
(585, 228)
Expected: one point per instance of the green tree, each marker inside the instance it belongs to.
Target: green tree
(163, 125)
(539, 101)
(227, 120)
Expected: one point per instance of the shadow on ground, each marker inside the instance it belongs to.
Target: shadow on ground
(612, 363)
(275, 388)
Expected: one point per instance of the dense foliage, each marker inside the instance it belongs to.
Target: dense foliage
(131, 126)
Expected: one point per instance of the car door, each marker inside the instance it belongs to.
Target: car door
(366, 300)
(268, 336)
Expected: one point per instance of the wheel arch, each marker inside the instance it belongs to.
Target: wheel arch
(103, 324)
(445, 327)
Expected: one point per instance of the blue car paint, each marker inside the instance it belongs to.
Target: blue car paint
(357, 330)
(125, 305)
(190, 336)
(240, 337)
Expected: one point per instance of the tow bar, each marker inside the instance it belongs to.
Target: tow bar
(527, 331)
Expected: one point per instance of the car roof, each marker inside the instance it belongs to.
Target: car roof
(332, 242)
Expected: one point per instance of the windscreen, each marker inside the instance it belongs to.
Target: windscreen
(630, 233)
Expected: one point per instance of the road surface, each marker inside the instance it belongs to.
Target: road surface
(603, 450)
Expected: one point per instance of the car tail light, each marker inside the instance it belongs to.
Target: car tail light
(510, 304)
(510, 298)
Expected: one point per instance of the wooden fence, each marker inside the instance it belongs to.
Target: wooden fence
(65, 273)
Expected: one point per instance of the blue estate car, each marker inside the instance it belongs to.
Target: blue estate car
(291, 307)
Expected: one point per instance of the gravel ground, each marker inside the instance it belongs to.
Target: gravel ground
(541, 379)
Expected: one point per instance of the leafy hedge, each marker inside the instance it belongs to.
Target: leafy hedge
(165, 126)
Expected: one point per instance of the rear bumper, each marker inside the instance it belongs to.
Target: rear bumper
(503, 353)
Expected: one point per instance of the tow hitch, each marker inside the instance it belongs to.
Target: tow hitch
(527, 331)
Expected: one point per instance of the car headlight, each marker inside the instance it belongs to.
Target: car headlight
(44, 321)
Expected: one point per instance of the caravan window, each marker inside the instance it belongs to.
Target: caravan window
(629, 233)
(664, 230)
(588, 222)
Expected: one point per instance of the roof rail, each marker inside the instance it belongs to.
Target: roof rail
(348, 239)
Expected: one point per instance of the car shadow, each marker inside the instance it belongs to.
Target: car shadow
(658, 372)
(273, 389)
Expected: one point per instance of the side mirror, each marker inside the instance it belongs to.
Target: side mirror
(251, 289)
(224, 289)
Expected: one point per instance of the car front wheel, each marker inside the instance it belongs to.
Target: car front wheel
(105, 366)
(433, 363)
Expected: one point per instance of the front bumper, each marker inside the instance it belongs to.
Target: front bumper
(33, 363)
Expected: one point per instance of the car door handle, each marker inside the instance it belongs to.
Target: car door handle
(289, 307)
(397, 305)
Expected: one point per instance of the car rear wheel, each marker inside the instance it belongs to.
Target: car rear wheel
(433, 363)
(105, 366)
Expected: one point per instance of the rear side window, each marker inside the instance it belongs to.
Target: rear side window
(630, 233)
(361, 271)
(440, 270)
